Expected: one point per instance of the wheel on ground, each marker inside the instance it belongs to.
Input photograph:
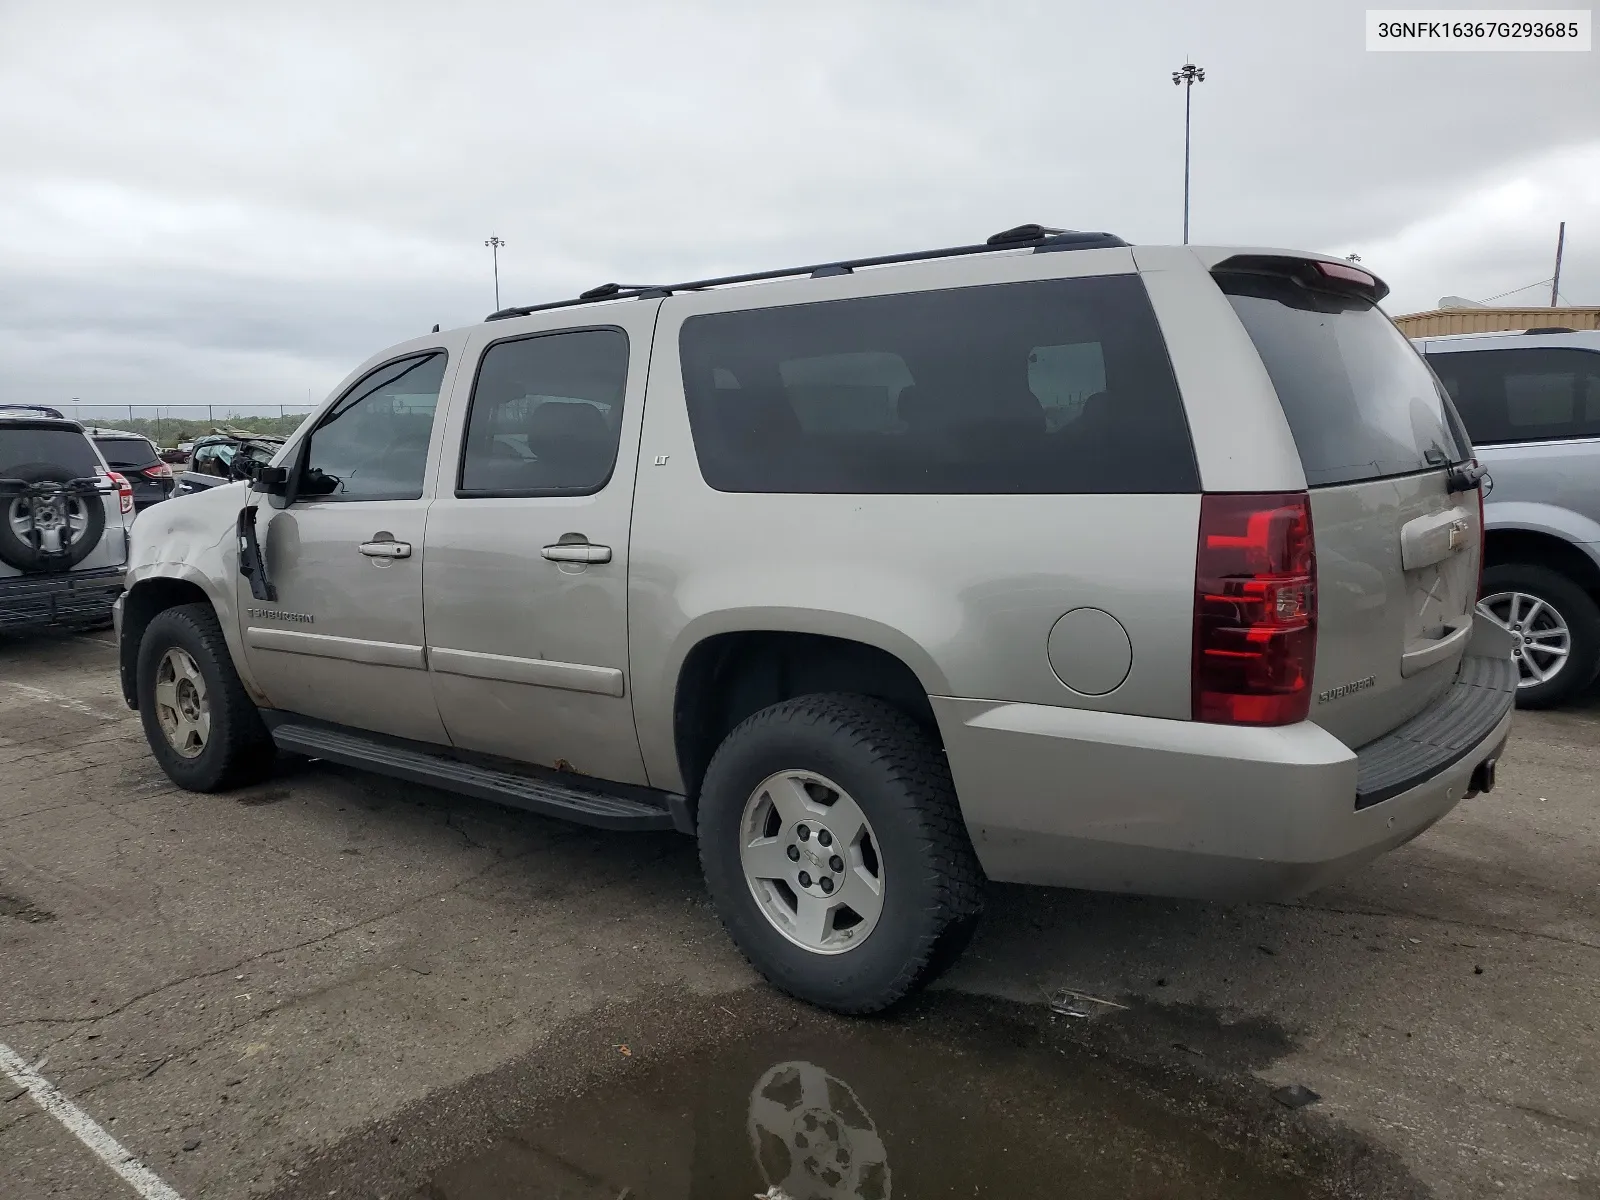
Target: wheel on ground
(202, 727)
(835, 852)
(1556, 625)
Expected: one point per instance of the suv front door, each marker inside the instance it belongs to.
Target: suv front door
(344, 640)
(526, 581)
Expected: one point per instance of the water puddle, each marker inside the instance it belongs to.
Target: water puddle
(868, 1110)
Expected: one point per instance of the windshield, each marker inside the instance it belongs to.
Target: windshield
(1360, 401)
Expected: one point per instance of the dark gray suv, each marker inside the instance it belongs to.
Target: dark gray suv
(1531, 403)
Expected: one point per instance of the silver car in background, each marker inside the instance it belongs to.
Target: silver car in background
(1531, 403)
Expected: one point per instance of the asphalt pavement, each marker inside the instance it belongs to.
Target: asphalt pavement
(332, 983)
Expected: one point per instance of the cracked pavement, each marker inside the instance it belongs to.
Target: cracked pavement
(272, 971)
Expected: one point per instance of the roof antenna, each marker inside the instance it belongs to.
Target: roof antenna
(435, 328)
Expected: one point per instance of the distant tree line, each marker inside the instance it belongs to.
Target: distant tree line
(169, 431)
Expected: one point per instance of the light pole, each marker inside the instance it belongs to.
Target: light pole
(1188, 76)
(494, 244)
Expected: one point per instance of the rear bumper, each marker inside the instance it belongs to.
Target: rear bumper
(70, 598)
(1110, 802)
(150, 491)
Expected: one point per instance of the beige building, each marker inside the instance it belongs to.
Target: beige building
(1490, 319)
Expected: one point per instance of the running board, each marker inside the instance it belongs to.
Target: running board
(545, 797)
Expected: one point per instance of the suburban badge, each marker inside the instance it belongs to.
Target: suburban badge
(1345, 689)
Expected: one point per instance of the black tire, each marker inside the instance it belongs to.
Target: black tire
(238, 749)
(1577, 609)
(27, 555)
(899, 778)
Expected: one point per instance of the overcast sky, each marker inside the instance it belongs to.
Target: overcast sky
(221, 203)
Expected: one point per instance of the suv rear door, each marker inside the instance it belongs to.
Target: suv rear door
(1397, 550)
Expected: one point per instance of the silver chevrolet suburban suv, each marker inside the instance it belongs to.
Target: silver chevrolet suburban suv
(1050, 559)
(1531, 403)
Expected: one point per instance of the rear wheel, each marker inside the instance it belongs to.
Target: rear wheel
(202, 727)
(835, 852)
(1556, 625)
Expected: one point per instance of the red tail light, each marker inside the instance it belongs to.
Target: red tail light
(159, 471)
(1255, 609)
(124, 490)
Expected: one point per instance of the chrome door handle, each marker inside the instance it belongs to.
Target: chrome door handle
(386, 549)
(577, 552)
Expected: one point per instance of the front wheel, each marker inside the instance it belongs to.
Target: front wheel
(1555, 625)
(835, 851)
(202, 727)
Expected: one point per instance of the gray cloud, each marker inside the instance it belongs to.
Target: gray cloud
(196, 203)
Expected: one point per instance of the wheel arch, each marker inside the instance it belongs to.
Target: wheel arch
(1505, 546)
(144, 599)
(727, 676)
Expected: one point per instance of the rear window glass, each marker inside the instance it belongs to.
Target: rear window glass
(1359, 400)
(126, 452)
(1524, 395)
(55, 447)
(1058, 386)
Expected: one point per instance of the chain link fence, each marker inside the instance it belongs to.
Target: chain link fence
(167, 425)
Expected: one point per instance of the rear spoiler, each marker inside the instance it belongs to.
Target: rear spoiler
(1314, 274)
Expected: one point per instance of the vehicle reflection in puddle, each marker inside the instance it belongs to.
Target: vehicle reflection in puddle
(865, 1111)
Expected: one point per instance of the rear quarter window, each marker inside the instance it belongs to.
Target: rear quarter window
(64, 448)
(1360, 401)
(1053, 387)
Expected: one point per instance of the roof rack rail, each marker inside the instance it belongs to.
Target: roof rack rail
(1042, 238)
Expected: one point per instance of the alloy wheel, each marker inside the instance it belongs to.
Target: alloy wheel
(811, 861)
(1542, 642)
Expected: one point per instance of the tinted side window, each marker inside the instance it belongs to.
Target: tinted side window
(1523, 395)
(1059, 386)
(546, 415)
(373, 444)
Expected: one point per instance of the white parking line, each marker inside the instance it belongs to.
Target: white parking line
(110, 1151)
(56, 698)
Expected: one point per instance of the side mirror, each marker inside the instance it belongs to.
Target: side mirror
(274, 481)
